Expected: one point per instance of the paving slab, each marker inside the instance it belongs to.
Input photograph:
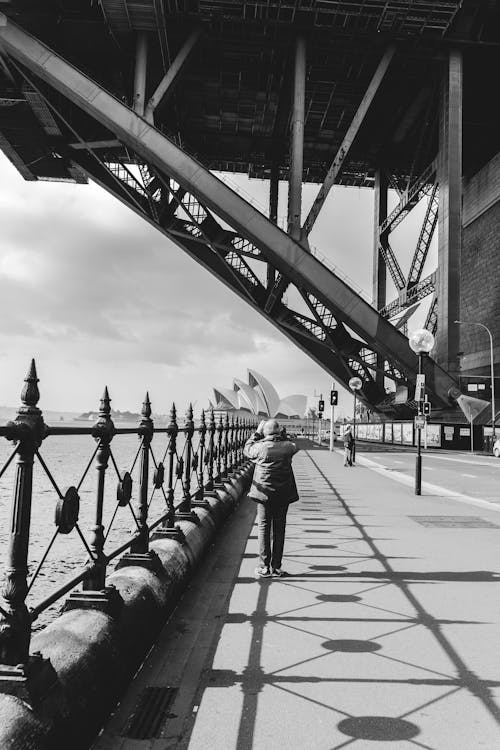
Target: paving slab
(385, 634)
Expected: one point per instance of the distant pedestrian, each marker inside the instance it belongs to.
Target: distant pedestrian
(348, 448)
(273, 489)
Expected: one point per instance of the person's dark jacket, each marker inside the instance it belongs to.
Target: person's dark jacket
(348, 440)
(273, 475)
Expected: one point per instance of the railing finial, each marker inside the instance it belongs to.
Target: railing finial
(30, 394)
(146, 407)
(105, 405)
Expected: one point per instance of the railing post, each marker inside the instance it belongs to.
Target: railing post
(184, 509)
(220, 429)
(103, 432)
(15, 624)
(146, 431)
(241, 441)
(236, 445)
(140, 554)
(199, 501)
(211, 436)
(27, 677)
(231, 445)
(226, 443)
(168, 527)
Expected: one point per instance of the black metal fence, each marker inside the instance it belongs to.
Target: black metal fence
(192, 462)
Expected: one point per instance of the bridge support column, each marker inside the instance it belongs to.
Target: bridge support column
(273, 212)
(297, 141)
(450, 213)
(379, 264)
(141, 62)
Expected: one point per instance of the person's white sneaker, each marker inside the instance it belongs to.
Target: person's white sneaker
(262, 572)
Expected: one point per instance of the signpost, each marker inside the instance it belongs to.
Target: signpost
(321, 409)
(334, 396)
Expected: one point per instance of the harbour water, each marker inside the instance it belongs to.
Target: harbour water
(67, 458)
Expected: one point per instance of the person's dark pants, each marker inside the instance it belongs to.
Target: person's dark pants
(271, 517)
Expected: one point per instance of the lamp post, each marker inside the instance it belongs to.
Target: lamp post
(492, 370)
(355, 384)
(421, 342)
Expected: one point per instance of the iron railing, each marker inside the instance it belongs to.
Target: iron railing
(193, 461)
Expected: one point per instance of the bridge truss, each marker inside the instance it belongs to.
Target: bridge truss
(84, 130)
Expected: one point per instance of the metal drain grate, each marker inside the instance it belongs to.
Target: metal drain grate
(150, 713)
(454, 522)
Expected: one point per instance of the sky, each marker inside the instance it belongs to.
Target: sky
(100, 298)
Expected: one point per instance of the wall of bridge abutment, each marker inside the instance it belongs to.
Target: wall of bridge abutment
(58, 685)
(480, 277)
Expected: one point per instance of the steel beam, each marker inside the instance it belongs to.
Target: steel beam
(348, 140)
(424, 239)
(171, 77)
(297, 141)
(450, 213)
(409, 199)
(165, 157)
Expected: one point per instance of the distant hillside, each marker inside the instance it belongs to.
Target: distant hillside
(116, 416)
(9, 412)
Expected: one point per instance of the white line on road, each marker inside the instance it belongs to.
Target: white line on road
(472, 476)
(492, 462)
(427, 487)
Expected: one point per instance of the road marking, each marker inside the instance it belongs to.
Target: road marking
(426, 486)
(472, 476)
(492, 462)
(495, 463)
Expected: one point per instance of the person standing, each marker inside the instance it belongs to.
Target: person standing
(273, 489)
(348, 447)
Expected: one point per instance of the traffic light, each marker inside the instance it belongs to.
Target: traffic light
(321, 406)
(426, 408)
(334, 398)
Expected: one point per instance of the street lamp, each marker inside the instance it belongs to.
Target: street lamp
(355, 384)
(421, 342)
(492, 370)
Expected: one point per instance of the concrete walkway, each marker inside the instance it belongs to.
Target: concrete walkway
(386, 633)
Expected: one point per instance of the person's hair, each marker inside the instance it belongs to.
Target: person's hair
(271, 427)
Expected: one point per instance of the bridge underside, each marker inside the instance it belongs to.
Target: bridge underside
(138, 89)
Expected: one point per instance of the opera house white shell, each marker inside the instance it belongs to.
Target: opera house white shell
(259, 397)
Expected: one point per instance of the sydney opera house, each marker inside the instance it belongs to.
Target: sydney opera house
(260, 398)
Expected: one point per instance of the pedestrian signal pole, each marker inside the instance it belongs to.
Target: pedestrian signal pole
(321, 409)
(333, 404)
